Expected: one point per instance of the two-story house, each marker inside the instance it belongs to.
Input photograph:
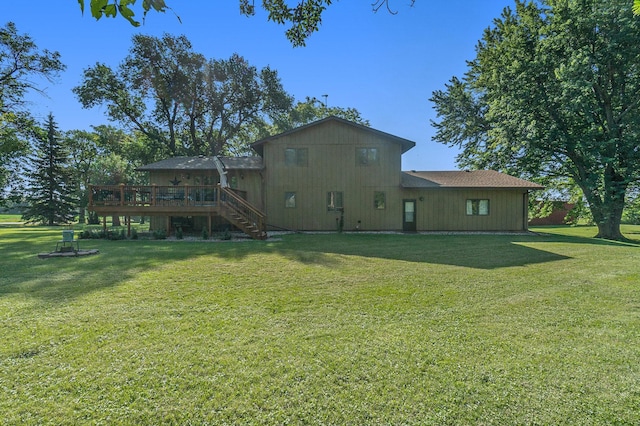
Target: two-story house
(328, 175)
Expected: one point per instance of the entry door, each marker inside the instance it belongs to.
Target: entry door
(409, 215)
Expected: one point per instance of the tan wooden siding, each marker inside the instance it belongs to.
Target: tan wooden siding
(331, 167)
(186, 178)
(445, 210)
(249, 181)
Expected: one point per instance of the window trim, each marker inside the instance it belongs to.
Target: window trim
(290, 195)
(363, 157)
(335, 196)
(376, 204)
(300, 157)
(474, 207)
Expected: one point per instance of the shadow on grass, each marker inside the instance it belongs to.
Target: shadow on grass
(57, 280)
(480, 251)
(471, 251)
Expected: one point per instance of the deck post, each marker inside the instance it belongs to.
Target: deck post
(104, 224)
(128, 219)
(154, 188)
(168, 226)
(122, 194)
(209, 224)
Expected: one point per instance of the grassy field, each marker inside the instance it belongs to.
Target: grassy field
(10, 218)
(322, 329)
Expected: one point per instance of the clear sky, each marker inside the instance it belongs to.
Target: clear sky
(386, 66)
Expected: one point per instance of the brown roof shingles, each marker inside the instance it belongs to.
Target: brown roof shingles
(464, 179)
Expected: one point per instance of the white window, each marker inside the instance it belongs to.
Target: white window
(477, 207)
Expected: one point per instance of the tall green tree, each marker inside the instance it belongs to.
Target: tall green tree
(107, 156)
(304, 16)
(180, 100)
(21, 64)
(83, 153)
(51, 189)
(554, 91)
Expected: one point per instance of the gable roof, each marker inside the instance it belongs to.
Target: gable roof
(404, 143)
(204, 163)
(464, 179)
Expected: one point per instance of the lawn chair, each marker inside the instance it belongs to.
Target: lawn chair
(67, 243)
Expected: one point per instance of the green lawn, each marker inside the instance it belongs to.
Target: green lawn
(322, 329)
(10, 218)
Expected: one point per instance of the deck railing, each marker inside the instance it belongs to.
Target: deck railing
(186, 200)
(156, 195)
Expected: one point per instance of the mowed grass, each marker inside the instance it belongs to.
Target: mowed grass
(10, 218)
(322, 329)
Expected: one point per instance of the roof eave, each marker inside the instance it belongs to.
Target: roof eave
(406, 144)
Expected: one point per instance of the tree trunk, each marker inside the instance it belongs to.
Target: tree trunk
(608, 213)
(115, 221)
(608, 220)
(610, 229)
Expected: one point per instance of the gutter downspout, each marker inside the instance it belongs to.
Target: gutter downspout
(221, 171)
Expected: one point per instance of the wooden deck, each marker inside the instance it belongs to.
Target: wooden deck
(156, 200)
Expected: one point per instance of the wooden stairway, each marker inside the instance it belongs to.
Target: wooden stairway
(242, 214)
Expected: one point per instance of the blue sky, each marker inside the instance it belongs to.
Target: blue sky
(384, 65)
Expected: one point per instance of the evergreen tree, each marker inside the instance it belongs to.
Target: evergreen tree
(51, 188)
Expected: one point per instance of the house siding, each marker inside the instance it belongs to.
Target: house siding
(331, 166)
(248, 181)
(445, 209)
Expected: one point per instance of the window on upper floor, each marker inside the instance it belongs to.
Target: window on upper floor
(334, 201)
(477, 207)
(367, 156)
(296, 156)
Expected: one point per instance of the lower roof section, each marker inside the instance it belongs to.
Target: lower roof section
(464, 179)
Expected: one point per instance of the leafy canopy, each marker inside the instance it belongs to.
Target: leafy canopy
(21, 65)
(181, 102)
(304, 16)
(553, 92)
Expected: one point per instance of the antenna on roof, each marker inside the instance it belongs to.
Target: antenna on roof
(325, 100)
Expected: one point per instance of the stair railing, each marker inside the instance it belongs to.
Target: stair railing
(243, 208)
